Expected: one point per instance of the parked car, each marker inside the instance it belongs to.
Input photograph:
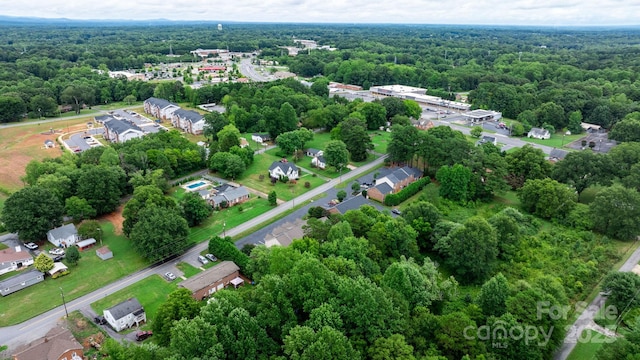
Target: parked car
(211, 257)
(169, 276)
(141, 335)
(202, 260)
(100, 320)
(58, 258)
(56, 251)
(31, 246)
(396, 211)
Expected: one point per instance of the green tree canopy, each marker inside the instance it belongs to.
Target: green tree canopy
(31, 212)
(159, 233)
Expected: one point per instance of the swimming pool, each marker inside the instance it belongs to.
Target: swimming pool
(196, 185)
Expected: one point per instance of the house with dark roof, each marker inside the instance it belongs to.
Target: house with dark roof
(188, 121)
(487, 139)
(100, 119)
(284, 234)
(125, 314)
(12, 259)
(160, 108)
(58, 344)
(21, 281)
(314, 152)
(354, 203)
(319, 162)
(213, 279)
(538, 133)
(63, 236)
(231, 195)
(283, 168)
(557, 154)
(120, 131)
(393, 182)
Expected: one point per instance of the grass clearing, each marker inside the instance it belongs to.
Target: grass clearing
(187, 269)
(380, 141)
(151, 292)
(556, 140)
(83, 329)
(590, 342)
(90, 274)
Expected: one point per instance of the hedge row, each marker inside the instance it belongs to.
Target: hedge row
(409, 191)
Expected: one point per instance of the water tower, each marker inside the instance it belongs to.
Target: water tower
(219, 27)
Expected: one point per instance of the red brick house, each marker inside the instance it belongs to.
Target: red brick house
(393, 181)
(213, 279)
(58, 344)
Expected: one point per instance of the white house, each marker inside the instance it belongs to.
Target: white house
(538, 133)
(63, 236)
(12, 259)
(319, 162)
(125, 315)
(260, 138)
(283, 168)
(314, 152)
(487, 139)
(120, 131)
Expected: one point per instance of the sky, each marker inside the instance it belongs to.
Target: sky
(471, 12)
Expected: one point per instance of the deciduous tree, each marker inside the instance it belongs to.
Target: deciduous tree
(159, 233)
(31, 212)
(616, 212)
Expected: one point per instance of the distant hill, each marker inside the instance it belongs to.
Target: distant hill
(16, 20)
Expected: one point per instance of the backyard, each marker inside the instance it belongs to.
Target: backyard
(90, 274)
(557, 140)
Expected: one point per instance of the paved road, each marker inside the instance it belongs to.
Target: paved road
(38, 326)
(585, 320)
(247, 69)
(53, 120)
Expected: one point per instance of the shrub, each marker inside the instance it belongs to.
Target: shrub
(261, 177)
(240, 208)
(407, 192)
(307, 184)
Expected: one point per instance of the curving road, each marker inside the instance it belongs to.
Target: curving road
(38, 326)
(247, 69)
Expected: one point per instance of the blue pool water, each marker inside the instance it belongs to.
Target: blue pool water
(195, 185)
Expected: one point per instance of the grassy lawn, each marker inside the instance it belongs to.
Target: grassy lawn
(188, 269)
(119, 105)
(83, 328)
(380, 141)
(586, 350)
(151, 292)
(319, 140)
(91, 274)
(555, 140)
(3, 246)
(260, 166)
(232, 217)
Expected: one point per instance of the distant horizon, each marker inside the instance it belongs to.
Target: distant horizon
(46, 20)
(542, 13)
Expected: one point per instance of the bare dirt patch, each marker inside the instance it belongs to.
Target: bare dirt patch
(116, 219)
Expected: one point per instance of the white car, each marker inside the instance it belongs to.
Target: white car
(31, 246)
(56, 251)
(169, 276)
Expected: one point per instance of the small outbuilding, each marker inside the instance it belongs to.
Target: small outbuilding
(104, 253)
(86, 244)
(20, 282)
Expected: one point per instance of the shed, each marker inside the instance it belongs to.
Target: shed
(104, 253)
(58, 267)
(85, 244)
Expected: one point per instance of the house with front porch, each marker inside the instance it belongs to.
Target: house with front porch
(125, 314)
(63, 236)
(12, 259)
(283, 168)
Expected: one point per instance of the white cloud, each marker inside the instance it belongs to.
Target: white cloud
(516, 12)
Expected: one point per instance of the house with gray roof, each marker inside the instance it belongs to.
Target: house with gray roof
(229, 194)
(557, 154)
(63, 236)
(160, 108)
(487, 139)
(12, 259)
(283, 168)
(354, 203)
(125, 314)
(319, 162)
(311, 152)
(21, 281)
(538, 133)
(393, 181)
(188, 120)
(205, 283)
(120, 131)
(261, 138)
(102, 118)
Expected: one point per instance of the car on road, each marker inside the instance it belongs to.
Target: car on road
(100, 320)
(211, 257)
(396, 211)
(31, 246)
(203, 260)
(169, 276)
(141, 335)
(56, 251)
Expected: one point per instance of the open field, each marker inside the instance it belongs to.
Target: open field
(151, 292)
(90, 274)
(555, 141)
(586, 350)
(21, 144)
(187, 269)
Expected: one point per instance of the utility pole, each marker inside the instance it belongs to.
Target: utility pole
(64, 303)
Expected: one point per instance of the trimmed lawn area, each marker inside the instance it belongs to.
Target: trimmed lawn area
(319, 140)
(151, 292)
(188, 269)
(90, 274)
(260, 166)
(586, 350)
(380, 141)
(232, 217)
(555, 140)
(120, 105)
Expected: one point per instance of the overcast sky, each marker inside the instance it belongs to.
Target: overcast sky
(493, 12)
